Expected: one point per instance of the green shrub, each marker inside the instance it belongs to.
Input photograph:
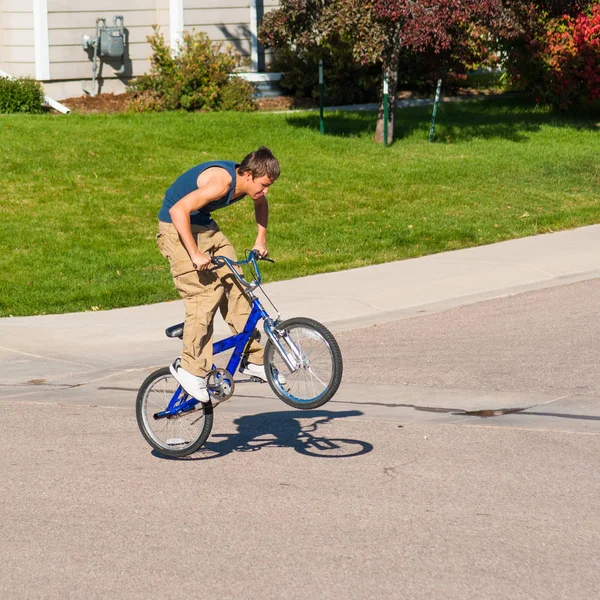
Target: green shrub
(196, 77)
(346, 82)
(238, 94)
(558, 59)
(20, 96)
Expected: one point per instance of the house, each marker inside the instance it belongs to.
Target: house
(46, 39)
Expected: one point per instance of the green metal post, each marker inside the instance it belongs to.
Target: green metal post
(435, 106)
(385, 110)
(321, 121)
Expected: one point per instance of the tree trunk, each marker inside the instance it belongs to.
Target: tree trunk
(391, 63)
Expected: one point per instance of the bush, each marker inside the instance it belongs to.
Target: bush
(560, 63)
(238, 94)
(346, 82)
(20, 96)
(289, 32)
(197, 77)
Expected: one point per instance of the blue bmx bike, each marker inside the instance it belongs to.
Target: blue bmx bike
(303, 365)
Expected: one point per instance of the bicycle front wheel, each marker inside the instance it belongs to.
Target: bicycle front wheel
(316, 355)
(181, 433)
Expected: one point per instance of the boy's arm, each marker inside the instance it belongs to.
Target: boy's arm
(261, 213)
(215, 188)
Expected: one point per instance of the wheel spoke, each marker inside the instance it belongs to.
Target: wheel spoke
(318, 378)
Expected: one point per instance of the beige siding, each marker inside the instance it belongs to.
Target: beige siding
(82, 71)
(65, 54)
(217, 16)
(69, 20)
(17, 37)
(87, 19)
(208, 4)
(115, 7)
(17, 20)
(223, 20)
(237, 36)
(71, 38)
(18, 6)
(17, 55)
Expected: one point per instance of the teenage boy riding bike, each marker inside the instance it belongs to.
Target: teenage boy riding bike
(188, 237)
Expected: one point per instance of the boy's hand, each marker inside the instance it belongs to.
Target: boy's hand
(261, 248)
(201, 262)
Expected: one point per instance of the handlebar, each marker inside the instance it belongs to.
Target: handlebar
(253, 256)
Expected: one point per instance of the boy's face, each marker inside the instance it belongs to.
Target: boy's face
(257, 188)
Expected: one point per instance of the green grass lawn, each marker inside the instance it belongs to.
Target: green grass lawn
(79, 195)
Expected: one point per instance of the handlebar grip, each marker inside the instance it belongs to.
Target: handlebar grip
(258, 256)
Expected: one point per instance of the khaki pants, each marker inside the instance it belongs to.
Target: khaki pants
(203, 293)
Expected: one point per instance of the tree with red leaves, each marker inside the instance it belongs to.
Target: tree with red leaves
(433, 24)
(378, 30)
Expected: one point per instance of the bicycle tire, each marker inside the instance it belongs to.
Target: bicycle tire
(294, 388)
(173, 437)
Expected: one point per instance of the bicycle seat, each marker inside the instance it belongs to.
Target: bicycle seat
(175, 331)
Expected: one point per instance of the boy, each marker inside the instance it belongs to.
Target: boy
(188, 237)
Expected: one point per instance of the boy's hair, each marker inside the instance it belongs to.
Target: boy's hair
(261, 162)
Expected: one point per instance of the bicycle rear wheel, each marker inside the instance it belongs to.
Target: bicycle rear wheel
(179, 434)
(314, 350)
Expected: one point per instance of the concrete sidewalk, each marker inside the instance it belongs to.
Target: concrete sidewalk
(407, 103)
(75, 348)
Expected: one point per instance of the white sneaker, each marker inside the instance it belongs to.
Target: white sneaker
(195, 386)
(259, 372)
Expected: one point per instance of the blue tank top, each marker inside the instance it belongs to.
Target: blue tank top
(186, 183)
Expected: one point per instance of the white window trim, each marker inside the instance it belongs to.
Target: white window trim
(41, 43)
(175, 22)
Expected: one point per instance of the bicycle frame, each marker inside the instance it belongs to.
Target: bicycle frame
(237, 342)
(240, 341)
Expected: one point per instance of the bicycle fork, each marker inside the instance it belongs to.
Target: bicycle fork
(293, 357)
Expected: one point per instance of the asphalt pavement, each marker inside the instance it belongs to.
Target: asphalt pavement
(458, 459)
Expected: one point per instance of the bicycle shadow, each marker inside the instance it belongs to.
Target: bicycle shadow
(282, 430)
